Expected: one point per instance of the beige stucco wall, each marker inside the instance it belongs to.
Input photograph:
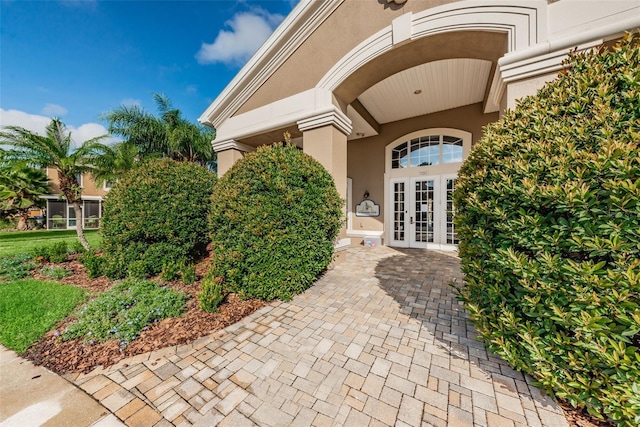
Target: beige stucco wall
(226, 159)
(89, 187)
(350, 24)
(526, 87)
(366, 157)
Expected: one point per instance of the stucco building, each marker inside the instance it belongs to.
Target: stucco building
(60, 214)
(390, 95)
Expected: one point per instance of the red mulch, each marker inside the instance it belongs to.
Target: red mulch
(74, 356)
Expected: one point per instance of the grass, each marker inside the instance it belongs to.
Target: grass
(16, 242)
(30, 308)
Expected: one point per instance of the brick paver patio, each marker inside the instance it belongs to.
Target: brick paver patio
(380, 340)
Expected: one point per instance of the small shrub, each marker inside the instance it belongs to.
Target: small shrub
(77, 248)
(55, 252)
(115, 267)
(275, 217)
(16, 267)
(55, 273)
(171, 272)
(125, 310)
(548, 216)
(94, 264)
(137, 270)
(212, 294)
(188, 274)
(157, 214)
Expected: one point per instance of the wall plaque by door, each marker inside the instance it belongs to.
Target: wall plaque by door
(367, 208)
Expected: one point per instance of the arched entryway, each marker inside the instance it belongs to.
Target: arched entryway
(420, 175)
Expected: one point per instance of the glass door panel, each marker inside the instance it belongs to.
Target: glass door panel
(71, 216)
(399, 213)
(424, 211)
(452, 236)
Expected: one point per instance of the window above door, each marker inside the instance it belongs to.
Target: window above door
(432, 151)
(428, 150)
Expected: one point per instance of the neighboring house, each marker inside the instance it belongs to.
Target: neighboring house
(60, 214)
(390, 95)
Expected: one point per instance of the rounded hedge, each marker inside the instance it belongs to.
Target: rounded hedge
(548, 215)
(275, 217)
(156, 216)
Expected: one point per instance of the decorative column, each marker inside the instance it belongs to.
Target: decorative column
(324, 137)
(229, 152)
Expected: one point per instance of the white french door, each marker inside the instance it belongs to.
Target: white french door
(421, 212)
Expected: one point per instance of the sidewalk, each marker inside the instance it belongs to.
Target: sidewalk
(380, 340)
(33, 396)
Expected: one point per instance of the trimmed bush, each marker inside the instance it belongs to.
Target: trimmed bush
(94, 264)
(53, 252)
(212, 294)
(156, 215)
(548, 215)
(276, 214)
(188, 274)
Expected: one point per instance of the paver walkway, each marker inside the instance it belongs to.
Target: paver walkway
(380, 340)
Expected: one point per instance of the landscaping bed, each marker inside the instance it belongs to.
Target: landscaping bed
(74, 355)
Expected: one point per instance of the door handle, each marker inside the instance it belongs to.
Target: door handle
(410, 220)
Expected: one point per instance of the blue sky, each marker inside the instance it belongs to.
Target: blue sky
(76, 59)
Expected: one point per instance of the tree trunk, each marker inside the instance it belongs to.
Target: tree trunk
(79, 226)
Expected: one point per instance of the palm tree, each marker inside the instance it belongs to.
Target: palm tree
(113, 161)
(55, 151)
(169, 135)
(20, 188)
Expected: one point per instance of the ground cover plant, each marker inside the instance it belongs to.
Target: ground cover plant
(275, 216)
(74, 355)
(548, 216)
(17, 242)
(29, 308)
(155, 217)
(123, 311)
(16, 267)
(55, 273)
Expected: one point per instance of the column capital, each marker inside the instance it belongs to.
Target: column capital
(332, 117)
(231, 144)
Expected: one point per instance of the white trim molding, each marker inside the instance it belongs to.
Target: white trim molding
(342, 245)
(303, 20)
(231, 144)
(333, 117)
(308, 107)
(548, 56)
(524, 22)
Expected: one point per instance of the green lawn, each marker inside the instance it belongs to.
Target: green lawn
(16, 242)
(30, 308)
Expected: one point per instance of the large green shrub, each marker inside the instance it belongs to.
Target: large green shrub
(275, 217)
(156, 215)
(548, 215)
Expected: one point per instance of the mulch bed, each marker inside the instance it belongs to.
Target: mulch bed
(75, 356)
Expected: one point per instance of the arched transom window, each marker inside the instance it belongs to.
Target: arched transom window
(429, 150)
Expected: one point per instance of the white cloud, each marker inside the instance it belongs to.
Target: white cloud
(54, 110)
(36, 123)
(192, 89)
(87, 131)
(248, 31)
